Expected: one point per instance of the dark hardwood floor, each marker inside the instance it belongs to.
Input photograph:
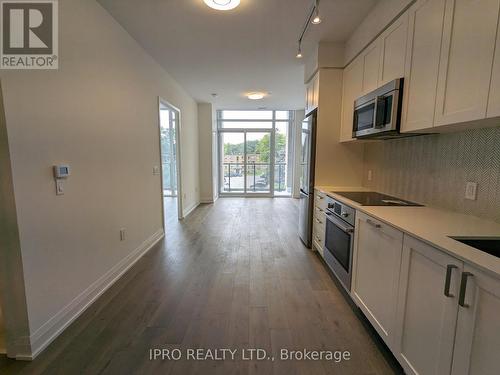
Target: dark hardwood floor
(232, 275)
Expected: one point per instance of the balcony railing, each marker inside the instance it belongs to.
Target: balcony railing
(257, 177)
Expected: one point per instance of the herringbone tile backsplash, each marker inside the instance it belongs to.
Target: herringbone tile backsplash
(434, 169)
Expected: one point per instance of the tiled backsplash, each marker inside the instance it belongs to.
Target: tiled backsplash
(434, 169)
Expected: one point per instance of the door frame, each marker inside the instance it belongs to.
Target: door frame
(164, 103)
(246, 194)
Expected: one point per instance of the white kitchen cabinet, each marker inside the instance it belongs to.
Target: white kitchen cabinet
(319, 221)
(426, 19)
(468, 47)
(427, 309)
(312, 94)
(376, 267)
(494, 97)
(393, 56)
(351, 89)
(477, 341)
(371, 65)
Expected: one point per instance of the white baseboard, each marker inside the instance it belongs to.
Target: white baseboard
(190, 209)
(49, 331)
(206, 201)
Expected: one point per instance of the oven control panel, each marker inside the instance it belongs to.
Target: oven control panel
(343, 211)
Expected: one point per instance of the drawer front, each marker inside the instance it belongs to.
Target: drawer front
(380, 226)
(319, 200)
(319, 235)
(319, 247)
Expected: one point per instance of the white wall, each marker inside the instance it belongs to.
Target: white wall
(99, 113)
(205, 127)
(374, 23)
(337, 164)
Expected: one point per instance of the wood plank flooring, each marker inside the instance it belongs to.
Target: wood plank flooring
(231, 275)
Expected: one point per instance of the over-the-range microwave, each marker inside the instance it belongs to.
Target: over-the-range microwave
(378, 114)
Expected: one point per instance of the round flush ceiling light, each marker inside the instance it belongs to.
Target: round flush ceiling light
(222, 4)
(256, 95)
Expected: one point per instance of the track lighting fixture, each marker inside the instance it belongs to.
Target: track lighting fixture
(314, 18)
(317, 19)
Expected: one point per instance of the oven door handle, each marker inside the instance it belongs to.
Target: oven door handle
(337, 223)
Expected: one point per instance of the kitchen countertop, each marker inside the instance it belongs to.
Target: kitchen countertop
(433, 226)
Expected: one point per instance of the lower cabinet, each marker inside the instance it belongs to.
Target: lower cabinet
(427, 309)
(376, 267)
(477, 341)
(319, 221)
(437, 314)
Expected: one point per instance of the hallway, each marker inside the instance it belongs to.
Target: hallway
(231, 275)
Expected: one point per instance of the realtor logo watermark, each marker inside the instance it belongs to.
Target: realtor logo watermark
(29, 37)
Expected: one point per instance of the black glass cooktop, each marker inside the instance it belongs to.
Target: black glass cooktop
(371, 198)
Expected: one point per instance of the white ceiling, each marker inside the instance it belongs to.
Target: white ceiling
(251, 48)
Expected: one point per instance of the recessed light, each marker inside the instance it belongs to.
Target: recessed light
(256, 95)
(222, 4)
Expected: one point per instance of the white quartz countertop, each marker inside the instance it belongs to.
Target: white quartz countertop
(433, 226)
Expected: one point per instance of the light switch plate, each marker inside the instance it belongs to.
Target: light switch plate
(59, 187)
(156, 170)
(471, 191)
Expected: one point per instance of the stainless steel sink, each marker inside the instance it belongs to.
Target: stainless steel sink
(490, 245)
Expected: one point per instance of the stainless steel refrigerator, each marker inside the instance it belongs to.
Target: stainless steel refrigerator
(307, 163)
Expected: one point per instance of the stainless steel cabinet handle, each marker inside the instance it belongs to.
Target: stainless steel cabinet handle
(463, 288)
(373, 224)
(449, 269)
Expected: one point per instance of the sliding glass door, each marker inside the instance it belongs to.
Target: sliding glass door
(255, 149)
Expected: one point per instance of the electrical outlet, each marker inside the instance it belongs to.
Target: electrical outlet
(156, 170)
(471, 191)
(122, 234)
(370, 175)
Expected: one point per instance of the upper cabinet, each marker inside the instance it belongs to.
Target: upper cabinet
(371, 65)
(312, 94)
(381, 62)
(393, 54)
(426, 19)
(470, 28)
(351, 89)
(494, 99)
(448, 52)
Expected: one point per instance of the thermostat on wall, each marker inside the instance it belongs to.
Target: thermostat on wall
(61, 171)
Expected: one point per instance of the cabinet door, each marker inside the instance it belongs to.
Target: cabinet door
(477, 342)
(376, 267)
(393, 43)
(494, 98)
(315, 93)
(371, 65)
(351, 90)
(308, 98)
(426, 20)
(466, 58)
(427, 309)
